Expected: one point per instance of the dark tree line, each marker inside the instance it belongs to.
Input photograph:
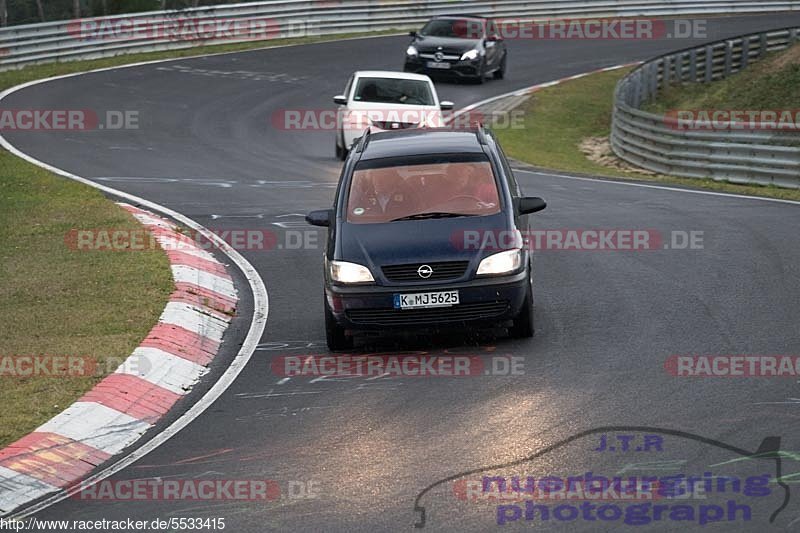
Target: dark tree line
(31, 11)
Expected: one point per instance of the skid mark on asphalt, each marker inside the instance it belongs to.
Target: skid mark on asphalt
(251, 75)
(220, 182)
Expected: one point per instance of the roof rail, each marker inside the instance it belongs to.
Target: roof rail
(362, 145)
(481, 133)
(461, 15)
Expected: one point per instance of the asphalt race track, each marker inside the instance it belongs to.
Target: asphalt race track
(606, 321)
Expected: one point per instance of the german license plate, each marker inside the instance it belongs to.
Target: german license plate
(438, 64)
(422, 300)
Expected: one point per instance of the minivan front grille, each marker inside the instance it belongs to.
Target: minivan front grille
(440, 315)
(443, 270)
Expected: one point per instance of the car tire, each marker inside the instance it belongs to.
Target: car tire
(334, 333)
(479, 79)
(341, 151)
(500, 73)
(522, 326)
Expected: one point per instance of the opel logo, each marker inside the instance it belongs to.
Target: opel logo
(425, 271)
(438, 56)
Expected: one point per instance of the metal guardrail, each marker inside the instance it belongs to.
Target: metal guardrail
(153, 31)
(731, 151)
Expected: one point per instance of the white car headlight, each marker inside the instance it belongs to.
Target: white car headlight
(344, 272)
(501, 263)
(411, 51)
(470, 54)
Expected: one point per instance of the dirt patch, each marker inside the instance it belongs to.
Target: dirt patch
(598, 150)
(788, 57)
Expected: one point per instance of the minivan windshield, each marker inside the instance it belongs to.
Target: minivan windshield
(393, 91)
(426, 190)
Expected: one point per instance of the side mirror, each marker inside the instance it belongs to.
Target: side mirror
(446, 105)
(340, 99)
(530, 204)
(321, 217)
(412, 33)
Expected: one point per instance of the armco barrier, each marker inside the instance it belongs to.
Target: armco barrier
(730, 152)
(63, 40)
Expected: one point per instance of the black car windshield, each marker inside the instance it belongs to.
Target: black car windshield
(393, 91)
(419, 191)
(457, 28)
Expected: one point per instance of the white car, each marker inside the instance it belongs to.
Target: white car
(382, 100)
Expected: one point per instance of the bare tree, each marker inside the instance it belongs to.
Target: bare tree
(105, 7)
(40, 9)
(3, 14)
(76, 8)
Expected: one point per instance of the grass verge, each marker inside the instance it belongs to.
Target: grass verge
(58, 301)
(771, 83)
(67, 303)
(558, 119)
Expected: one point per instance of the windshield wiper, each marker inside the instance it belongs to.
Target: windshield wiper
(435, 214)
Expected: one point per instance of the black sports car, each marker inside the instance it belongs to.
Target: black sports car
(465, 46)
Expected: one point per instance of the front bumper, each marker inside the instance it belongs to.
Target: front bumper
(482, 301)
(458, 69)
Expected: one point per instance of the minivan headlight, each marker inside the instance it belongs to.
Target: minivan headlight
(501, 263)
(344, 272)
(470, 54)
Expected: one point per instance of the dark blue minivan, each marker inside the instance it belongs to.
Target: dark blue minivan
(426, 232)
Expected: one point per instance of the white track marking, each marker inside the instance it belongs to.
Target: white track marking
(611, 181)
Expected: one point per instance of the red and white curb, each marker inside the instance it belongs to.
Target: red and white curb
(126, 404)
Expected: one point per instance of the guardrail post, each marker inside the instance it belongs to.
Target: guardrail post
(638, 90)
(653, 79)
(762, 44)
(728, 52)
(693, 65)
(666, 74)
(745, 53)
(709, 74)
(792, 36)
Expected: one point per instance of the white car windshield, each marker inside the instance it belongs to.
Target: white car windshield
(393, 91)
